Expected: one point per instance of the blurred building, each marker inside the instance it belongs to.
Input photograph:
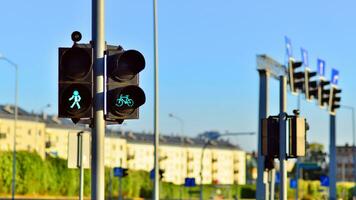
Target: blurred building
(30, 131)
(345, 163)
(180, 157)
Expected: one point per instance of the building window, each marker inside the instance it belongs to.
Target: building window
(2, 135)
(39, 133)
(29, 132)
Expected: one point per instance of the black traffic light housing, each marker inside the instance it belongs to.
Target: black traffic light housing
(161, 174)
(123, 94)
(75, 77)
(334, 100)
(311, 86)
(270, 137)
(323, 93)
(125, 172)
(296, 79)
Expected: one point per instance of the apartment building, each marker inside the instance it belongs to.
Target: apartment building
(345, 163)
(179, 157)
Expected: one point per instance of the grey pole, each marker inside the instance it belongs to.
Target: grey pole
(81, 167)
(272, 183)
(282, 138)
(297, 163)
(180, 120)
(13, 186)
(156, 103)
(120, 188)
(98, 131)
(332, 159)
(263, 110)
(201, 169)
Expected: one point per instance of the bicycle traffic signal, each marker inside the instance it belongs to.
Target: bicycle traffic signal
(296, 81)
(75, 80)
(334, 100)
(323, 93)
(124, 96)
(311, 86)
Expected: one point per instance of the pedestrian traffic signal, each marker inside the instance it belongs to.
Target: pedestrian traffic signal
(334, 100)
(296, 79)
(323, 93)
(311, 86)
(124, 96)
(75, 81)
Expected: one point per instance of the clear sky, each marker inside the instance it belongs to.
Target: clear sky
(207, 56)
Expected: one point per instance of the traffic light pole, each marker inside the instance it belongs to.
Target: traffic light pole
(120, 188)
(282, 138)
(98, 130)
(332, 162)
(156, 103)
(263, 110)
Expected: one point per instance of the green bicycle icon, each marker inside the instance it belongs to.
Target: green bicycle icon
(124, 100)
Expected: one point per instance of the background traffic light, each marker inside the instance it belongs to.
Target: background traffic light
(296, 79)
(270, 137)
(124, 96)
(311, 86)
(323, 93)
(75, 81)
(334, 100)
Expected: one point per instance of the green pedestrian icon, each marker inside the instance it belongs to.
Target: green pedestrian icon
(76, 99)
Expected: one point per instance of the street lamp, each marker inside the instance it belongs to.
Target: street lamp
(211, 138)
(15, 124)
(353, 142)
(180, 120)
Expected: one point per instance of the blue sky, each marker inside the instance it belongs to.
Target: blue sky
(207, 56)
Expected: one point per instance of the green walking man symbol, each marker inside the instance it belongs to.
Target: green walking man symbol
(76, 97)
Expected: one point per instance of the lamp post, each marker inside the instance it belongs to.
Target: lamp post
(15, 124)
(180, 120)
(353, 142)
(209, 140)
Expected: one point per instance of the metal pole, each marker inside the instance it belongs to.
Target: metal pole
(272, 184)
(13, 186)
(120, 188)
(201, 169)
(297, 163)
(81, 167)
(354, 150)
(15, 132)
(98, 131)
(156, 103)
(263, 110)
(332, 159)
(282, 138)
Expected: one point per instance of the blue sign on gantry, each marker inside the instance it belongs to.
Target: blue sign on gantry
(321, 67)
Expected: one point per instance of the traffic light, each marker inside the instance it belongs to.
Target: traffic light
(161, 174)
(297, 136)
(123, 96)
(323, 93)
(75, 80)
(296, 81)
(334, 100)
(311, 86)
(125, 172)
(270, 137)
